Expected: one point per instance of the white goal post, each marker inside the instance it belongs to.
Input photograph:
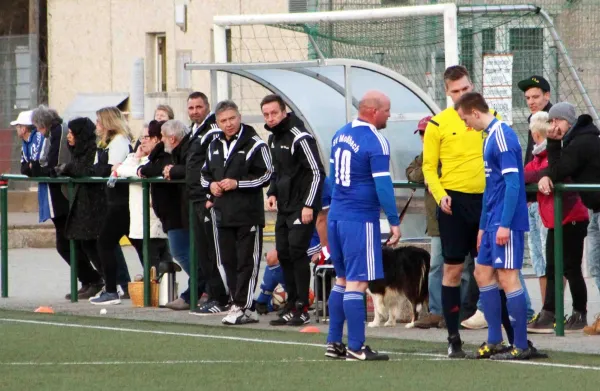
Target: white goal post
(222, 22)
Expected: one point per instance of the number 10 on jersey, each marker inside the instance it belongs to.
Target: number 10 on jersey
(342, 166)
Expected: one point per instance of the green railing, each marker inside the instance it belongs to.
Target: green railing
(558, 233)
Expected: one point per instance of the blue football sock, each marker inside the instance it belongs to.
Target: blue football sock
(336, 314)
(354, 308)
(510, 333)
(490, 301)
(273, 276)
(517, 311)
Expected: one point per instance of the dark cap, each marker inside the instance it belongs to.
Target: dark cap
(422, 125)
(534, 81)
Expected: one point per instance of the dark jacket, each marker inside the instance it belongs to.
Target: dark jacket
(196, 157)
(573, 208)
(531, 197)
(57, 152)
(89, 203)
(165, 196)
(298, 178)
(414, 173)
(248, 162)
(179, 156)
(118, 195)
(578, 158)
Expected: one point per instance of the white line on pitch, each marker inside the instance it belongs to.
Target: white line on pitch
(273, 342)
(185, 362)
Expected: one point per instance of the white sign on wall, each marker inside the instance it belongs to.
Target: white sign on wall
(497, 83)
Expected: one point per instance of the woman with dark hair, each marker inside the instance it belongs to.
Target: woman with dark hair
(159, 247)
(89, 201)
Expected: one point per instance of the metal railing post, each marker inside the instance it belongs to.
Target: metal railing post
(4, 234)
(558, 263)
(146, 243)
(193, 258)
(72, 249)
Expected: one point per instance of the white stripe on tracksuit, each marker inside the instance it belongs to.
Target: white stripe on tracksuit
(217, 250)
(256, 257)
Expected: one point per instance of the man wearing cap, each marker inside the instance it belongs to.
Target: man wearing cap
(573, 150)
(537, 95)
(32, 141)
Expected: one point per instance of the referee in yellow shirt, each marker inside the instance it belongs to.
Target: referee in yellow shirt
(458, 192)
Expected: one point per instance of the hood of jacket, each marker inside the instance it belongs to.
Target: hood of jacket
(290, 121)
(584, 126)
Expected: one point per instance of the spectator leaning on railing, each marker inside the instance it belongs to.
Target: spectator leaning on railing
(573, 151)
(575, 221)
(89, 201)
(55, 152)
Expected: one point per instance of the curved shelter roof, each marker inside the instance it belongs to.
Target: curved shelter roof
(325, 95)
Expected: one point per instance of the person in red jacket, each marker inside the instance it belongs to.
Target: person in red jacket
(575, 221)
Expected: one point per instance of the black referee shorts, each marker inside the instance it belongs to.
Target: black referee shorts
(458, 231)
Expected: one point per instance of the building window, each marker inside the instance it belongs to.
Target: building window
(468, 45)
(161, 63)
(527, 48)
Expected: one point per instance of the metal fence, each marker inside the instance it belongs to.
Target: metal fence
(4, 179)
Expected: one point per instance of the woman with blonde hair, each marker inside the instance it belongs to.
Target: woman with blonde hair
(113, 147)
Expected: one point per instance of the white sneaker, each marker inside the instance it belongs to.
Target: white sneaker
(232, 316)
(475, 322)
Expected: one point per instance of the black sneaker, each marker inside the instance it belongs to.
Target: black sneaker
(282, 318)
(534, 352)
(336, 350)
(365, 354)
(576, 322)
(543, 323)
(455, 347)
(514, 354)
(211, 307)
(300, 318)
(487, 350)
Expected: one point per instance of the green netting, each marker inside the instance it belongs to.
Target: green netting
(499, 49)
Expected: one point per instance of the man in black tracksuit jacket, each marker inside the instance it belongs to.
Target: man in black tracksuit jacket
(206, 232)
(237, 167)
(296, 187)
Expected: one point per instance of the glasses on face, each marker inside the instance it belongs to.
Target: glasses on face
(145, 137)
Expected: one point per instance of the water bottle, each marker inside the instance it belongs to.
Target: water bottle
(112, 181)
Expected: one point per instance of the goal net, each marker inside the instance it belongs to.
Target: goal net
(500, 45)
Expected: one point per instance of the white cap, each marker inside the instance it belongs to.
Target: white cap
(24, 118)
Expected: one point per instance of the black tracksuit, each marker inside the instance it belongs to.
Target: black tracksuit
(210, 268)
(239, 214)
(577, 158)
(296, 183)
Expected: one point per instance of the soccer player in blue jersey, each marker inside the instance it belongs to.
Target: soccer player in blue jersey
(502, 227)
(362, 186)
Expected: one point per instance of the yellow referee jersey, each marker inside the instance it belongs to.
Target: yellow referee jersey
(459, 149)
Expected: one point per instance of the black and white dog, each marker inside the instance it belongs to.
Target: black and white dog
(406, 274)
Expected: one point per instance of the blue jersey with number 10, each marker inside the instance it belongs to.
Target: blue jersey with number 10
(359, 153)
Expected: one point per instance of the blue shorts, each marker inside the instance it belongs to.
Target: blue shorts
(355, 248)
(509, 256)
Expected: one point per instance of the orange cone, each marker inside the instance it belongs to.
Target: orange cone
(310, 329)
(44, 310)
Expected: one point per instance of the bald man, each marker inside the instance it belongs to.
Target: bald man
(362, 186)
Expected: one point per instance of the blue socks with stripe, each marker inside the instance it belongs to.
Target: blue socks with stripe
(336, 314)
(273, 276)
(354, 308)
(491, 303)
(517, 311)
